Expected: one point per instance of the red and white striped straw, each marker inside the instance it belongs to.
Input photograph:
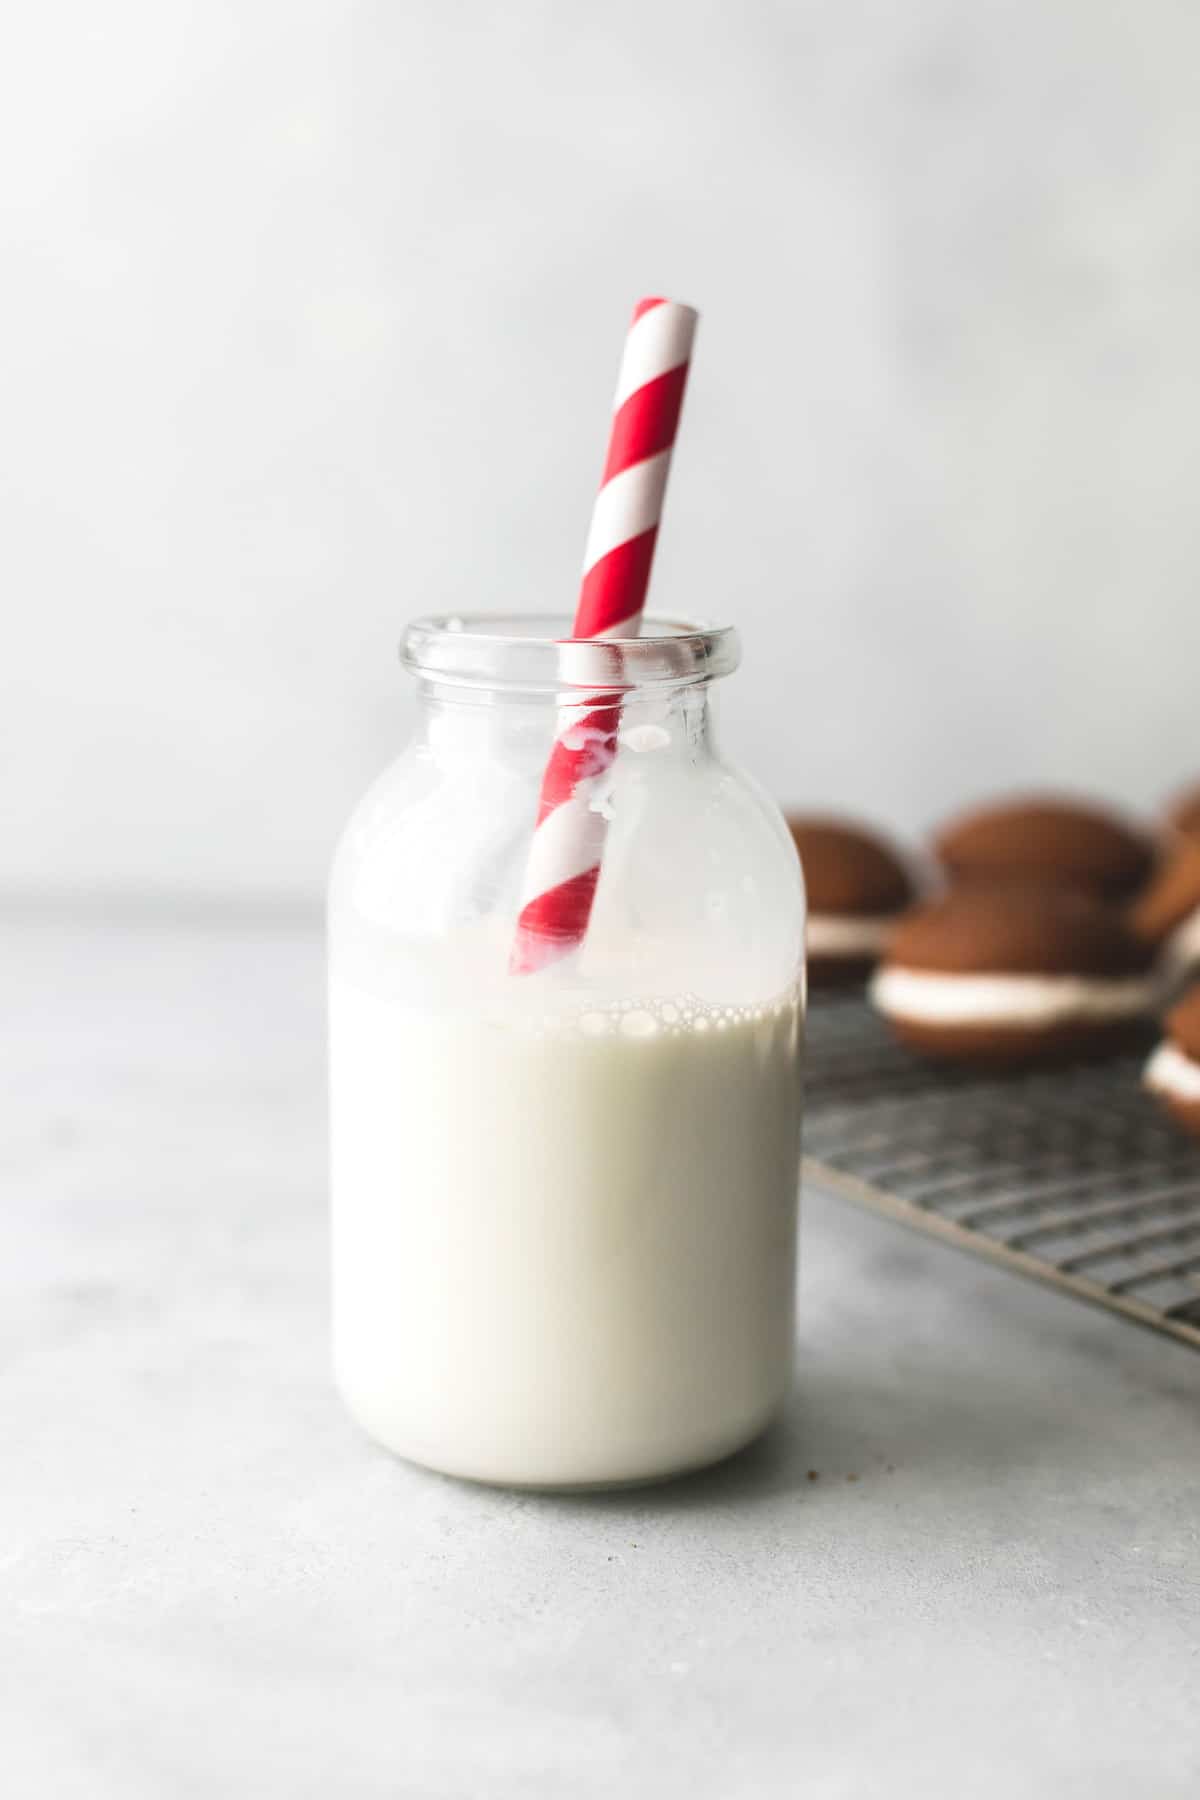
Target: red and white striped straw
(568, 840)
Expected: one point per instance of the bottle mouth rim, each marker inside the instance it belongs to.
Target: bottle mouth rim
(534, 653)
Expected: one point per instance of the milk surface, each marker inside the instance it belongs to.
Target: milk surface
(563, 1240)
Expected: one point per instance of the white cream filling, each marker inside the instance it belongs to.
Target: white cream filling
(845, 934)
(940, 999)
(1169, 1071)
(1182, 948)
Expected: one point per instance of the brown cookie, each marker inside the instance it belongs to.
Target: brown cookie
(1183, 1024)
(1050, 841)
(1173, 1072)
(857, 887)
(1009, 975)
(1184, 811)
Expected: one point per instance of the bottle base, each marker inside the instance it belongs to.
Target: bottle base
(719, 1449)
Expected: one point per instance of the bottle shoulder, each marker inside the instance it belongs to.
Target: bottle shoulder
(698, 868)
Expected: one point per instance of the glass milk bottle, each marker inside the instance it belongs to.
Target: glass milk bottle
(564, 1202)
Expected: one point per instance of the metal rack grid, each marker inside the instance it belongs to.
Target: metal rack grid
(1071, 1176)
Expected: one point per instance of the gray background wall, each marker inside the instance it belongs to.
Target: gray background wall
(312, 316)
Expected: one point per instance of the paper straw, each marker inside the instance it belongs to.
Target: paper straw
(568, 840)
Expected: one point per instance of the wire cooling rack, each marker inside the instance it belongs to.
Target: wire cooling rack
(1068, 1175)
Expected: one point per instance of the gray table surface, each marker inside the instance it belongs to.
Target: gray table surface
(967, 1563)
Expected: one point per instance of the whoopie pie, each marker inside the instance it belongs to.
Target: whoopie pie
(857, 886)
(1166, 914)
(1050, 842)
(1173, 1072)
(1008, 975)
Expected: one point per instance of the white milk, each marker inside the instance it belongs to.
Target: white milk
(564, 1249)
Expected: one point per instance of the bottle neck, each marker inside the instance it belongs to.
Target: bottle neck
(457, 722)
